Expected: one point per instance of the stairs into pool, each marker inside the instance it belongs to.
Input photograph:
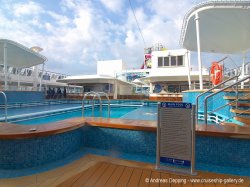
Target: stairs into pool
(240, 109)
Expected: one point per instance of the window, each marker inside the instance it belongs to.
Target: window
(160, 61)
(166, 61)
(179, 60)
(170, 61)
(173, 61)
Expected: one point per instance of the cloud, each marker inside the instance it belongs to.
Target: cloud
(113, 5)
(28, 9)
(77, 33)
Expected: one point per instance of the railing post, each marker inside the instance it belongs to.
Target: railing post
(237, 94)
(197, 98)
(205, 110)
(5, 106)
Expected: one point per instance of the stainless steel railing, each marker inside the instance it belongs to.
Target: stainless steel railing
(221, 90)
(5, 106)
(96, 94)
(209, 90)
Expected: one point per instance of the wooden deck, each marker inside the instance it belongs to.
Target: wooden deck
(93, 170)
(104, 174)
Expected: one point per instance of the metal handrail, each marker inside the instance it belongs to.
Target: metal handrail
(100, 100)
(235, 101)
(96, 94)
(221, 90)
(84, 97)
(197, 98)
(5, 105)
(106, 95)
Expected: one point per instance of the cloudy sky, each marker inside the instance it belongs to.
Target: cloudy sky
(74, 34)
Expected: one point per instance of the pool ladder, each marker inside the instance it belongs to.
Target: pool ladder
(5, 105)
(96, 94)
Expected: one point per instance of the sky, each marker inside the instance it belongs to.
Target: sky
(75, 34)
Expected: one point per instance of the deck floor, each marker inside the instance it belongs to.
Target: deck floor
(93, 170)
(105, 174)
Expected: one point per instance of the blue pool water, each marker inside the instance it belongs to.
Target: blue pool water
(38, 115)
(115, 112)
(33, 109)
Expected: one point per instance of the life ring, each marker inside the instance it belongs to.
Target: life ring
(216, 72)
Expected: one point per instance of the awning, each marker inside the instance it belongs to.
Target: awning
(224, 27)
(92, 79)
(19, 56)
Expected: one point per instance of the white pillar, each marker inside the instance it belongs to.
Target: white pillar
(150, 88)
(35, 77)
(18, 78)
(243, 69)
(40, 86)
(199, 49)
(109, 88)
(115, 89)
(189, 69)
(5, 66)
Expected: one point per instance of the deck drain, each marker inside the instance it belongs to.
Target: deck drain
(32, 129)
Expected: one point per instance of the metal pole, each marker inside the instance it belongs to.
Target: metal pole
(193, 141)
(199, 49)
(197, 98)
(158, 139)
(93, 108)
(5, 65)
(40, 86)
(83, 109)
(5, 106)
(237, 95)
(189, 76)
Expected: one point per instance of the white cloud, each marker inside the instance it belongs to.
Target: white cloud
(78, 35)
(113, 5)
(60, 19)
(31, 8)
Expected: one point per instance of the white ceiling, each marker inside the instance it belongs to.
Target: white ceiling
(19, 56)
(223, 28)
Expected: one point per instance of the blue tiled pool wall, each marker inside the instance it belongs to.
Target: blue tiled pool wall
(27, 153)
(218, 151)
(222, 151)
(22, 96)
(120, 141)
(212, 153)
(213, 103)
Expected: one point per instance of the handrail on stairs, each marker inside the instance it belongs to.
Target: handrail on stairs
(5, 105)
(197, 98)
(221, 90)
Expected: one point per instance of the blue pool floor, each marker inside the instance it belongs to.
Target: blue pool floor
(126, 156)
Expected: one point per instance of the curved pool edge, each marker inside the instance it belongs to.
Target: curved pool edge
(14, 131)
(62, 139)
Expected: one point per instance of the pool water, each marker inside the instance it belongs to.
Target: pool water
(34, 109)
(115, 112)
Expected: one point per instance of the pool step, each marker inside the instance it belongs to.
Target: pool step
(243, 98)
(245, 120)
(238, 111)
(240, 104)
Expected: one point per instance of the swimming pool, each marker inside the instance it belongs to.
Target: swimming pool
(215, 154)
(56, 111)
(53, 112)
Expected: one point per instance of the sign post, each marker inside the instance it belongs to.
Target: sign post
(176, 137)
